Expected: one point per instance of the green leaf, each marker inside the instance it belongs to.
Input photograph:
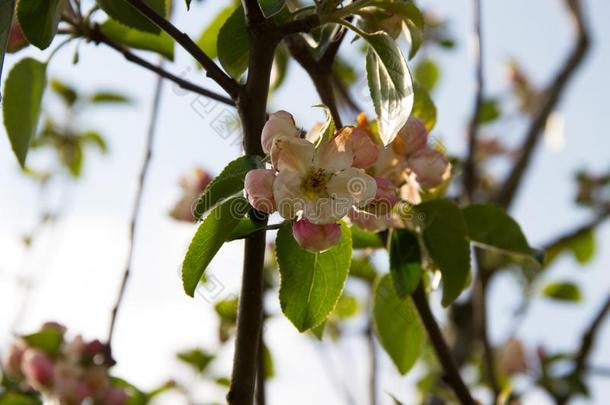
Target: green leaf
(362, 268)
(423, 107)
(66, 92)
(405, 261)
(162, 44)
(207, 39)
(390, 84)
(244, 228)
(268, 368)
(362, 239)
(39, 20)
(397, 325)
(232, 44)
(209, 238)
(108, 97)
(413, 18)
(427, 74)
(49, 340)
(197, 358)
(581, 245)
(7, 9)
(490, 111)
(227, 309)
(563, 291)
(227, 183)
(280, 67)
(491, 227)
(328, 127)
(311, 283)
(188, 4)
(233, 40)
(23, 93)
(128, 15)
(445, 235)
(14, 398)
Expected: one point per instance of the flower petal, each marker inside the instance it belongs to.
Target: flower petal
(280, 123)
(294, 154)
(334, 155)
(259, 189)
(352, 184)
(326, 210)
(288, 193)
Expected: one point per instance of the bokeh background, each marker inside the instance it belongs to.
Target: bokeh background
(72, 272)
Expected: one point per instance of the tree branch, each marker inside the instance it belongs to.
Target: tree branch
(98, 37)
(452, 374)
(154, 115)
(254, 14)
(212, 70)
(586, 346)
(320, 73)
(251, 106)
(581, 230)
(552, 96)
(470, 170)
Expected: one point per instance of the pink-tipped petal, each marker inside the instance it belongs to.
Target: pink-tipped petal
(37, 368)
(430, 167)
(259, 189)
(387, 194)
(316, 238)
(280, 123)
(364, 150)
(411, 138)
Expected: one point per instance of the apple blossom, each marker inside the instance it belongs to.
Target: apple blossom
(37, 368)
(316, 238)
(13, 359)
(259, 189)
(280, 123)
(321, 183)
(411, 138)
(192, 186)
(430, 167)
(364, 149)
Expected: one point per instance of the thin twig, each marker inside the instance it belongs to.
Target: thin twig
(479, 303)
(98, 37)
(452, 374)
(372, 355)
(148, 146)
(581, 230)
(320, 73)
(552, 96)
(470, 170)
(213, 71)
(586, 346)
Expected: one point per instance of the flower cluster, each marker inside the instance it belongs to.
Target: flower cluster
(69, 372)
(192, 186)
(317, 180)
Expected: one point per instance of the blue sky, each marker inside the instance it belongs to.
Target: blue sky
(77, 264)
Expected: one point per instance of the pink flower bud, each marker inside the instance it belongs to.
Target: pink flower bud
(259, 189)
(387, 194)
(280, 123)
(364, 149)
(37, 368)
(411, 138)
(429, 166)
(192, 186)
(54, 325)
(13, 359)
(16, 39)
(115, 396)
(513, 359)
(316, 238)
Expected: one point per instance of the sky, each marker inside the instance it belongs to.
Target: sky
(75, 267)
